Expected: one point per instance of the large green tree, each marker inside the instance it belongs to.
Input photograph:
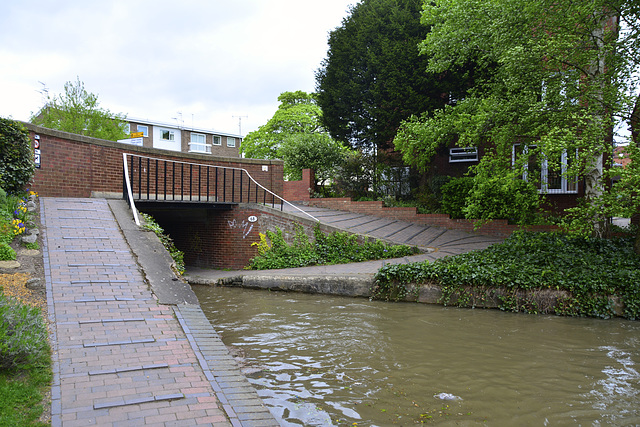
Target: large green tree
(560, 74)
(295, 135)
(373, 76)
(77, 111)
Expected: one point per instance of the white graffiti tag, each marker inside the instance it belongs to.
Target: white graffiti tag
(245, 226)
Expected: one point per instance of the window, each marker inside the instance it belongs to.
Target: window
(199, 144)
(217, 140)
(144, 130)
(466, 154)
(560, 90)
(548, 177)
(167, 135)
(231, 142)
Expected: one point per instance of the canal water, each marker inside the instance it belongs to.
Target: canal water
(321, 360)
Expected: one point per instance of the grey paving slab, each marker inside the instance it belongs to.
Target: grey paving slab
(120, 357)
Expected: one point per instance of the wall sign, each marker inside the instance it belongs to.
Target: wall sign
(252, 218)
(36, 150)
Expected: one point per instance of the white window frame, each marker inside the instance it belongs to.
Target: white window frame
(199, 146)
(565, 184)
(170, 133)
(144, 129)
(463, 154)
(217, 140)
(231, 142)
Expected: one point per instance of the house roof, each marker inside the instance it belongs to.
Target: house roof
(181, 127)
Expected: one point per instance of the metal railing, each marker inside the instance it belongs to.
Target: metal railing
(153, 179)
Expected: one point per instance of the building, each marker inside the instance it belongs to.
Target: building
(182, 138)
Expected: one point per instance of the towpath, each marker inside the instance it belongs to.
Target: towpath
(121, 355)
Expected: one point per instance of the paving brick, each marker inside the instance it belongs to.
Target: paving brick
(109, 326)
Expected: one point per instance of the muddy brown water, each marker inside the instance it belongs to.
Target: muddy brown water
(323, 360)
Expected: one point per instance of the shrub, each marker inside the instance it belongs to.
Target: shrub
(454, 196)
(503, 198)
(16, 157)
(6, 252)
(335, 248)
(23, 335)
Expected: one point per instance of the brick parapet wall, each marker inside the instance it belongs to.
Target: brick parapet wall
(300, 191)
(78, 166)
(500, 228)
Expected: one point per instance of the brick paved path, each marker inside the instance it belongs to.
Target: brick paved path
(119, 357)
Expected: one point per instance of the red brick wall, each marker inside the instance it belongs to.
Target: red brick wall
(299, 191)
(75, 166)
(494, 228)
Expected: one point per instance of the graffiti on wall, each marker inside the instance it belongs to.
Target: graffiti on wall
(245, 225)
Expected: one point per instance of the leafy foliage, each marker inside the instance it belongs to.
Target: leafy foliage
(16, 157)
(23, 335)
(590, 270)
(77, 111)
(454, 196)
(167, 242)
(335, 248)
(551, 75)
(6, 252)
(295, 135)
(373, 77)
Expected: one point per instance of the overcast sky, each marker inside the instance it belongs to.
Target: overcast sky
(209, 60)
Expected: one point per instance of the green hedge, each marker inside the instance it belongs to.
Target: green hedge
(16, 156)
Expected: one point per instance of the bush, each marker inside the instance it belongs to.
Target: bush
(23, 335)
(16, 157)
(335, 248)
(454, 196)
(6, 252)
(503, 198)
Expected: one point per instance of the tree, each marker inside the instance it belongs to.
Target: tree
(16, 156)
(557, 75)
(317, 151)
(295, 135)
(77, 111)
(373, 76)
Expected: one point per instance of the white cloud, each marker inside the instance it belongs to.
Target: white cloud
(210, 60)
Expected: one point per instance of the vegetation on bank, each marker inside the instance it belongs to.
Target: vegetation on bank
(167, 242)
(335, 248)
(589, 271)
(25, 357)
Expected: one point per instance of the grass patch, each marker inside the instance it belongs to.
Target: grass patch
(21, 395)
(335, 248)
(591, 271)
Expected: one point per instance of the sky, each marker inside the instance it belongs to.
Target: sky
(211, 64)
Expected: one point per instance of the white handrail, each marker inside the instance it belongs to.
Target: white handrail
(210, 166)
(129, 192)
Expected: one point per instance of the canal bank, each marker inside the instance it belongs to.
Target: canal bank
(130, 343)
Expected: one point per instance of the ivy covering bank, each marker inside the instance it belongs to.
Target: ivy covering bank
(588, 272)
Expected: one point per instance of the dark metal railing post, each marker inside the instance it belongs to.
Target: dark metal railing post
(139, 178)
(240, 186)
(224, 185)
(208, 168)
(190, 181)
(181, 181)
(233, 185)
(148, 175)
(156, 184)
(165, 179)
(216, 185)
(199, 183)
(173, 183)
